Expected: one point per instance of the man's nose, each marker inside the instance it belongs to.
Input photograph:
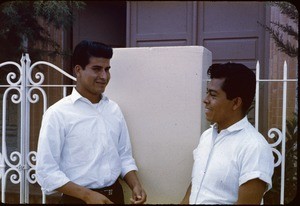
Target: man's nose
(205, 100)
(102, 74)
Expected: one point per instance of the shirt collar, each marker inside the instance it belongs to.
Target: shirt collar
(76, 96)
(238, 125)
(235, 127)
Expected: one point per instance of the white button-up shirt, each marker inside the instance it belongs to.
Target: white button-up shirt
(83, 143)
(224, 161)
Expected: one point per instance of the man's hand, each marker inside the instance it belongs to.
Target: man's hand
(138, 195)
(96, 198)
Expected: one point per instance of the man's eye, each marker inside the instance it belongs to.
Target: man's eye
(211, 94)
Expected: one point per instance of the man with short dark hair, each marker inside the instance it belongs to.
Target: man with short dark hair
(233, 163)
(84, 145)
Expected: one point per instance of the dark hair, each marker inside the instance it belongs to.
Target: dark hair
(239, 82)
(86, 49)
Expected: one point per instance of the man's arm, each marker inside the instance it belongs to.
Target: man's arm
(138, 194)
(185, 200)
(251, 192)
(85, 194)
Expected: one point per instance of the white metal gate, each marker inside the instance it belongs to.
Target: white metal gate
(19, 166)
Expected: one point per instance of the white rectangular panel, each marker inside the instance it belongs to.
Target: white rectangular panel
(159, 91)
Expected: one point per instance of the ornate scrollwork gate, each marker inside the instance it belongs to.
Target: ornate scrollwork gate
(19, 166)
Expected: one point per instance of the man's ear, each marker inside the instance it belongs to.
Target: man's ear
(237, 103)
(77, 70)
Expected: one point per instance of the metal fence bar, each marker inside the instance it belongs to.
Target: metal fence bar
(257, 95)
(26, 167)
(284, 96)
(23, 133)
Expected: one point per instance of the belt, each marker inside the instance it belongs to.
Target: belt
(113, 192)
(108, 190)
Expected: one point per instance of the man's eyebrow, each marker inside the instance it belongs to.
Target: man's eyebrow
(211, 91)
(96, 67)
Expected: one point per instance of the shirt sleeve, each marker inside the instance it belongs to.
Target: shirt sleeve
(51, 138)
(257, 162)
(125, 151)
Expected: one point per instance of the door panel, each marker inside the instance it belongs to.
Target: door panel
(240, 50)
(161, 23)
(231, 32)
(229, 16)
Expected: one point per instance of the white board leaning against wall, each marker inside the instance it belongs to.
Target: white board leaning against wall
(159, 91)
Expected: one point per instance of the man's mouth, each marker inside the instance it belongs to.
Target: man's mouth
(207, 110)
(101, 83)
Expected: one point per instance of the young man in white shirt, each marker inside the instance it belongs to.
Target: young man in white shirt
(84, 145)
(233, 163)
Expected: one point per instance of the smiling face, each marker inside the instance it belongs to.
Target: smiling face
(93, 79)
(219, 109)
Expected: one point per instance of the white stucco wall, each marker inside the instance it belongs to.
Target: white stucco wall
(159, 91)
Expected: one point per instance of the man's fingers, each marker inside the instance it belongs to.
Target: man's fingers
(136, 200)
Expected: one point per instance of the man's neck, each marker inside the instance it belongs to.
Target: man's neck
(92, 98)
(232, 121)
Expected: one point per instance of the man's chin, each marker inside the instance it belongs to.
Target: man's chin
(208, 118)
(100, 91)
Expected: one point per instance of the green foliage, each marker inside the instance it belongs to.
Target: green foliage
(20, 30)
(291, 158)
(288, 9)
(277, 29)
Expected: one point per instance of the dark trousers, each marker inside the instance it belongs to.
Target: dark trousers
(114, 193)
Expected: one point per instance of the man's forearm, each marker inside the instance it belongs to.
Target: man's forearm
(85, 194)
(132, 180)
(75, 190)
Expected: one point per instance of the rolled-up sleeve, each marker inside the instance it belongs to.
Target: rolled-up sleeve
(125, 150)
(48, 173)
(258, 162)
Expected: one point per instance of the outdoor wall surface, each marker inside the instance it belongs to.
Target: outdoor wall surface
(159, 90)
